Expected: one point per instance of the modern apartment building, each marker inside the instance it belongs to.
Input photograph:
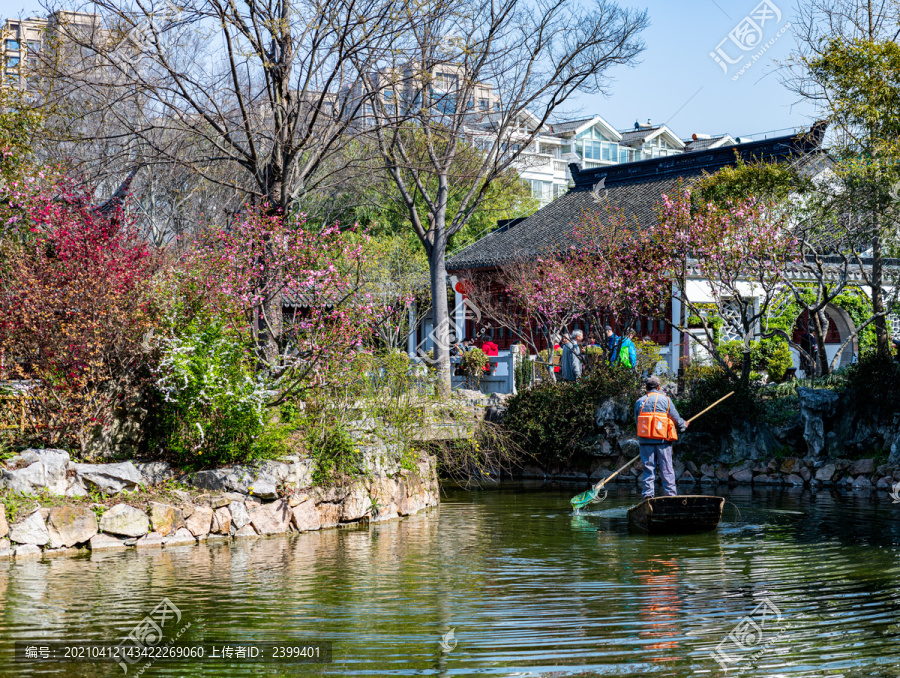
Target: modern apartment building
(21, 41)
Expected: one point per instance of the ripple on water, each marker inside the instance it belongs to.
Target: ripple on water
(531, 591)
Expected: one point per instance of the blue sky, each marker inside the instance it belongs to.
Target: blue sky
(677, 81)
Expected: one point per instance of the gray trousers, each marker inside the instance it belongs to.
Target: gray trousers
(653, 456)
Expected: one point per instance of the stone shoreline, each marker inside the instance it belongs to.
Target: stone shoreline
(860, 474)
(224, 514)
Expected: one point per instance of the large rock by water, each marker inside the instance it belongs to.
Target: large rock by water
(70, 525)
(305, 517)
(125, 520)
(4, 526)
(200, 521)
(32, 530)
(815, 405)
(165, 519)
(41, 470)
(272, 518)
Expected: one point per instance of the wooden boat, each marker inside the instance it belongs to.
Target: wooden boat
(681, 514)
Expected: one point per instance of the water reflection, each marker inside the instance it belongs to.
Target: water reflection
(528, 588)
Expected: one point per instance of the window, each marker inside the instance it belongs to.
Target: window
(601, 150)
(12, 77)
(12, 62)
(559, 189)
(542, 190)
(483, 104)
(446, 81)
(34, 46)
(12, 44)
(497, 105)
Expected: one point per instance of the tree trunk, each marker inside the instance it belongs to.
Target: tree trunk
(820, 325)
(441, 312)
(881, 331)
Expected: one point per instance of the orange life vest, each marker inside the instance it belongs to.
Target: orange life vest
(656, 425)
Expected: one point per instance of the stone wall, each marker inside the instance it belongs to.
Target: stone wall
(828, 443)
(239, 502)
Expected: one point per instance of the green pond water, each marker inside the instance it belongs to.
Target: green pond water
(792, 584)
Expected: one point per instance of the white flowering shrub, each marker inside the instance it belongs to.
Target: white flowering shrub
(214, 404)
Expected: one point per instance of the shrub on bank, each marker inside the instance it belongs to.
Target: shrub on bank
(550, 419)
(874, 383)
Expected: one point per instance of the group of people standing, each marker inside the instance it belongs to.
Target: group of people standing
(620, 350)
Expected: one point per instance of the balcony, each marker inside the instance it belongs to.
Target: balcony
(541, 161)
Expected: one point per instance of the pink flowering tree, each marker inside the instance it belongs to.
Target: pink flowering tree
(742, 252)
(295, 294)
(622, 271)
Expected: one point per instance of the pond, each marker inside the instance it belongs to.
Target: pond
(502, 583)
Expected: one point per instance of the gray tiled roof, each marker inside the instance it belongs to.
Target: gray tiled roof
(701, 144)
(569, 125)
(636, 136)
(634, 187)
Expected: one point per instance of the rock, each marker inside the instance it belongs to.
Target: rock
(862, 483)
(272, 518)
(240, 479)
(221, 522)
(746, 441)
(743, 476)
(708, 470)
(330, 514)
(678, 467)
(532, 471)
(610, 413)
(766, 479)
(32, 530)
(219, 501)
(252, 504)
(305, 517)
(356, 505)
(246, 532)
(154, 472)
(181, 537)
(200, 521)
(686, 477)
(110, 478)
(629, 447)
(165, 519)
(722, 474)
(182, 496)
(410, 505)
(28, 551)
(125, 520)
(806, 474)
(815, 405)
(791, 465)
(105, 542)
(862, 467)
(692, 467)
(826, 472)
(600, 474)
(885, 469)
(46, 470)
(773, 465)
(794, 479)
(70, 525)
(239, 515)
(150, 540)
(4, 526)
(5, 549)
(884, 484)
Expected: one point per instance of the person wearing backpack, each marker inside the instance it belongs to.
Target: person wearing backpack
(657, 420)
(627, 351)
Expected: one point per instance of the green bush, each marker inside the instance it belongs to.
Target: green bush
(705, 387)
(550, 419)
(213, 408)
(472, 364)
(874, 383)
(772, 356)
(524, 373)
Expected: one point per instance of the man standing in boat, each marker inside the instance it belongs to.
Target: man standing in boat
(657, 420)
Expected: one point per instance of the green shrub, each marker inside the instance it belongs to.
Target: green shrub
(472, 364)
(772, 356)
(524, 373)
(334, 452)
(550, 419)
(706, 387)
(874, 383)
(213, 408)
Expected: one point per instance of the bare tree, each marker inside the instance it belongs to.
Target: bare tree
(521, 59)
